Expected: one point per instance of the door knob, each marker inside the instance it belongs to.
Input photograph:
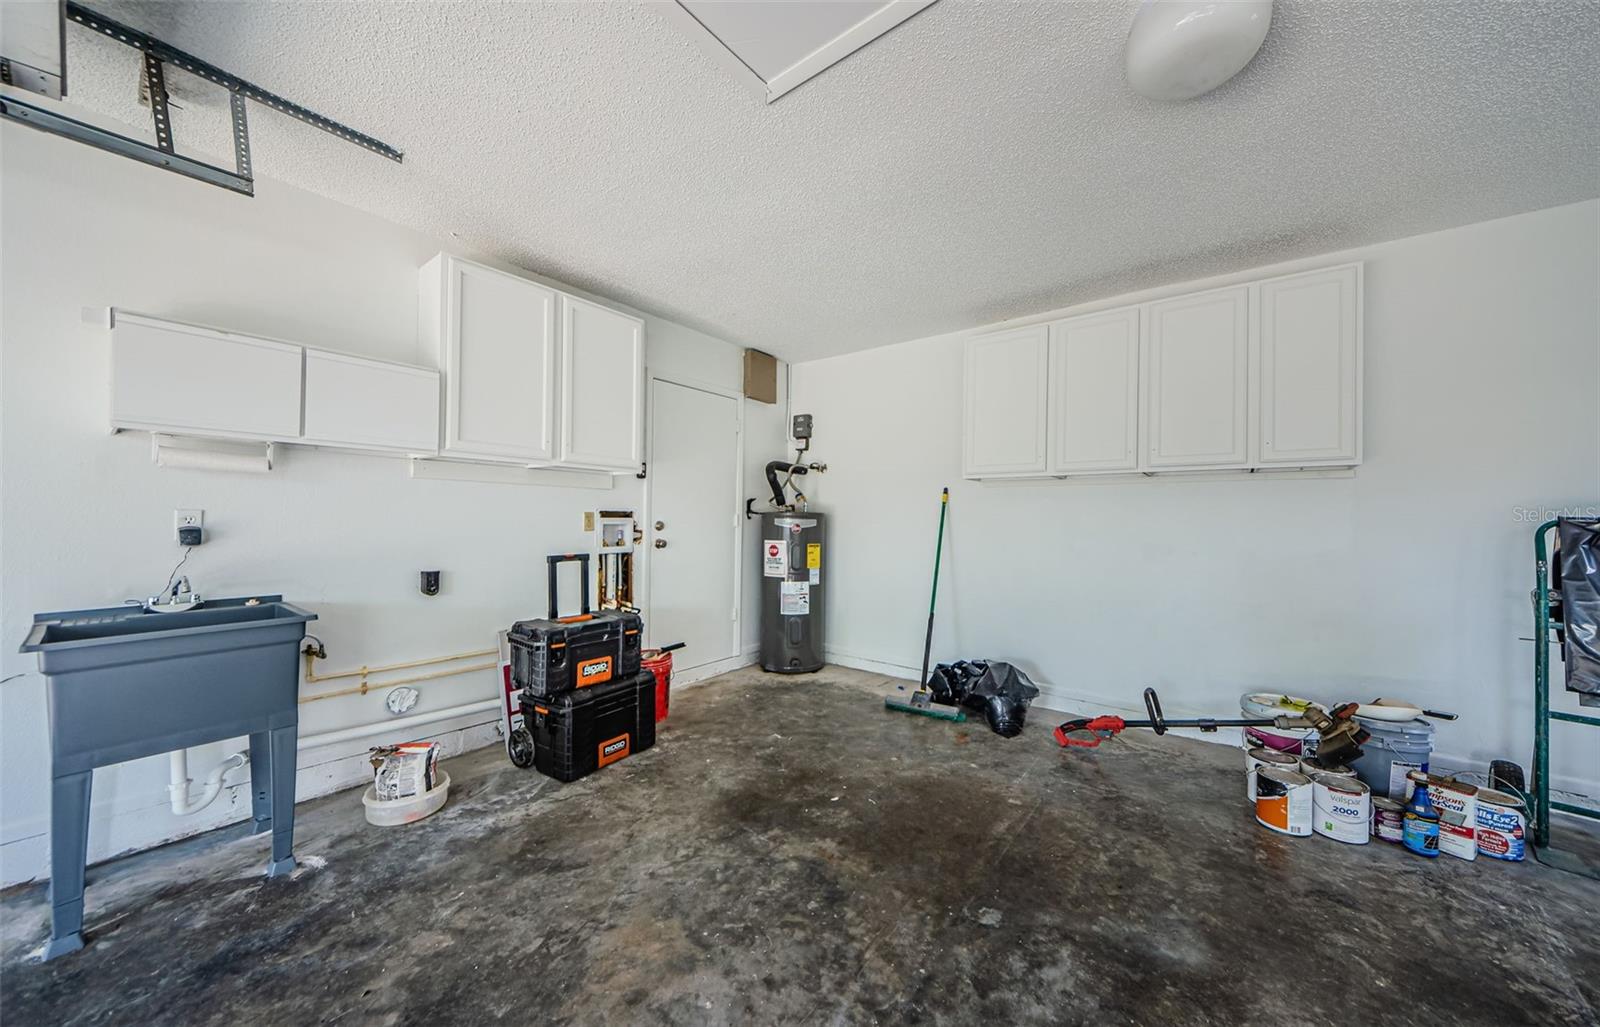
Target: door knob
(661, 543)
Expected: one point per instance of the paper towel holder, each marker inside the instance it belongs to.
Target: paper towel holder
(210, 454)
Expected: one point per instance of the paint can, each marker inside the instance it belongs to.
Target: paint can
(1258, 757)
(1502, 825)
(1296, 741)
(1457, 806)
(1388, 819)
(1283, 801)
(1311, 766)
(1343, 808)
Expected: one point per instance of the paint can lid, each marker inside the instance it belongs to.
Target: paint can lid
(1387, 804)
(1497, 798)
(1284, 777)
(1340, 783)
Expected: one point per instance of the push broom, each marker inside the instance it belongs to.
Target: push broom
(921, 701)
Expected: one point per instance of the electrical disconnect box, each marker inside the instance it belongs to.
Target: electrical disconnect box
(802, 426)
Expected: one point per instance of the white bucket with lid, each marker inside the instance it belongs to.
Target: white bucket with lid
(1393, 751)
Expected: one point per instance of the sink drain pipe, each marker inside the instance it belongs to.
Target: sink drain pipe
(178, 789)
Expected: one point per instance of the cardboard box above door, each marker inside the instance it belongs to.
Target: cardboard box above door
(760, 376)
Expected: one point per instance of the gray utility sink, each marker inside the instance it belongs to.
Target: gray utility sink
(124, 683)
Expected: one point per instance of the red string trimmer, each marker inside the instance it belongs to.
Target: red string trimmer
(1341, 736)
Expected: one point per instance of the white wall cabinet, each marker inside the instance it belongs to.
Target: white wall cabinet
(1310, 346)
(1094, 393)
(1261, 375)
(1196, 372)
(602, 382)
(370, 404)
(531, 375)
(1005, 404)
(172, 377)
(496, 338)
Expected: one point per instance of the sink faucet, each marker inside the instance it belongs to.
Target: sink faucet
(177, 597)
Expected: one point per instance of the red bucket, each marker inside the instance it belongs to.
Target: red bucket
(659, 664)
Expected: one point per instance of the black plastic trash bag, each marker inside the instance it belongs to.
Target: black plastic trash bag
(1579, 565)
(999, 690)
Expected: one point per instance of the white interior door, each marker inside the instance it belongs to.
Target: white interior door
(692, 532)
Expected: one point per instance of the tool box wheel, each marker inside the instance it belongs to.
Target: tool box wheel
(521, 748)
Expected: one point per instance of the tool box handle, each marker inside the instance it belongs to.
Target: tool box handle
(555, 560)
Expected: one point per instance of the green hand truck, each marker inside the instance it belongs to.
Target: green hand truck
(1540, 801)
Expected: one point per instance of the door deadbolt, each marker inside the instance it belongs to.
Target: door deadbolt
(661, 543)
(660, 525)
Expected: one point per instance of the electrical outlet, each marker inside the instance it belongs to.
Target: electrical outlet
(187, 519)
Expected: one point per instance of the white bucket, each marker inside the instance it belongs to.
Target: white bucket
(1258, 757)
(1283, 801)
(1343, 807)
(394, 812)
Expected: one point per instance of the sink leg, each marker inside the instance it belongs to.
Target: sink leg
(69, 850)
(283, 757)
(261, 780)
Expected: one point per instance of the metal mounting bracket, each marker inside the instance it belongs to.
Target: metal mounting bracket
(156, 56)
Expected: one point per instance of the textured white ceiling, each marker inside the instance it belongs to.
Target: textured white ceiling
(981, 161)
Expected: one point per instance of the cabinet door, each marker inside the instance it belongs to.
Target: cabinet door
(370, 404)
(167, 376)
(498, 357)
(1094, 393)
(1197, 378)
(1004, 410)
(602, 381)
(1311, 368)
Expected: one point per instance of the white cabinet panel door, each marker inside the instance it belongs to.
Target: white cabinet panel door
(167, 376)
(1197, 379)
(602, 378)
(1094, 393)
(370, 404)
(1311, 368)
(498, 355)
(1005, 408)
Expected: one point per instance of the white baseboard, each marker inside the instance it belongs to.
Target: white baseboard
(683, 678)
(1063, 700)
(893, 670)
(150, 824)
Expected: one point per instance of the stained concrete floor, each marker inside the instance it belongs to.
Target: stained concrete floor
(791, 853)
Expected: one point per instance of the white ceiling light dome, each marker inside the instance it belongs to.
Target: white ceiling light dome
(1179, 49)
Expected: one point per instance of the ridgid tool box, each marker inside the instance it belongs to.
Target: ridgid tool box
(579, 732)
(557, 655)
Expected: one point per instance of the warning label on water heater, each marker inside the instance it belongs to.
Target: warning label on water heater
(774, 558)
(794, 599)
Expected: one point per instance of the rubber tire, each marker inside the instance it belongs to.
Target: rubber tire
(521, 748)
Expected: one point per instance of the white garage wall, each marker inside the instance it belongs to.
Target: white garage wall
(86, 519)
(1408, 580)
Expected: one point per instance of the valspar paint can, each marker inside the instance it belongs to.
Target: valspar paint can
(1388, 819)
(1256, 757)
(1283, 801)
(1502, 825)
(1342, 808)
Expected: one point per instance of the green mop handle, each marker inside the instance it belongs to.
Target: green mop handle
(938, 550)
